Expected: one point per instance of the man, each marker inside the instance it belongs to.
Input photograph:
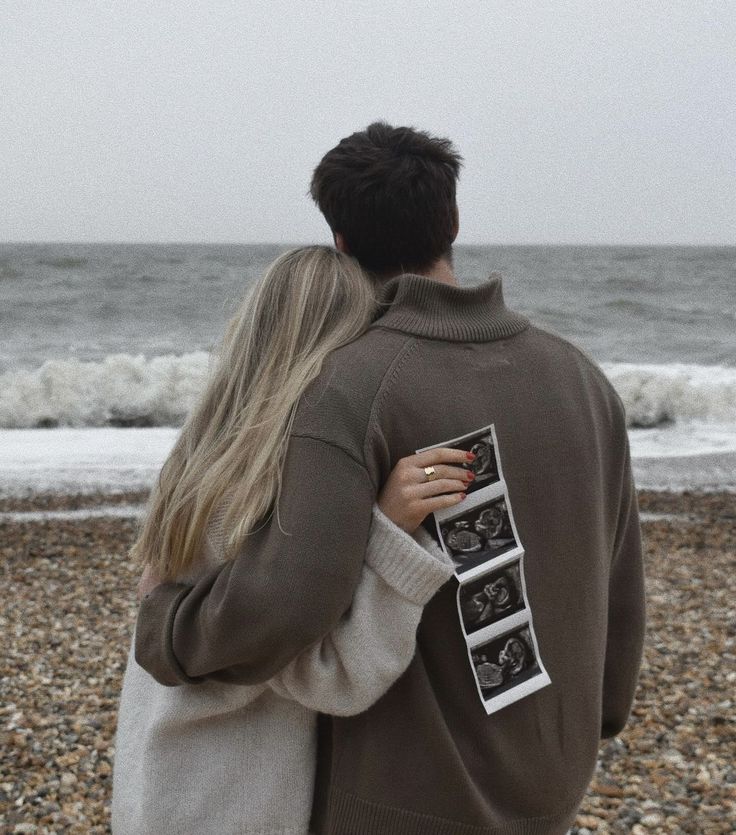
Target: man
(440, 362)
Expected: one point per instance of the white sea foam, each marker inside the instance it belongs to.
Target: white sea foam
(108, 460)
(86, 460)
(122, 390)
(656, 394)
(126, 390)
(113, 511)
(683, 440)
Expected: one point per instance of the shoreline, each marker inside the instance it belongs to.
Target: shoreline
(91, 461)
(655, 501)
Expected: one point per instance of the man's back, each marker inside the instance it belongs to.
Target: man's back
(426, 757)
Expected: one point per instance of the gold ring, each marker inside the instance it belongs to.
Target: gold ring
(430, 473)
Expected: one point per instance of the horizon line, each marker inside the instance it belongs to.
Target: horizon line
(591, 244)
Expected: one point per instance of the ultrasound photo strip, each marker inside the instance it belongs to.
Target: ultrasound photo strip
(479, 531)
(508, 667)
(492, 596)
(483, 543)
(499, 634)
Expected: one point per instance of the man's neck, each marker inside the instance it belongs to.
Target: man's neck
(440, 271)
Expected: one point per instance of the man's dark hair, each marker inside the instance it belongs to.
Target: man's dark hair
(390, 192)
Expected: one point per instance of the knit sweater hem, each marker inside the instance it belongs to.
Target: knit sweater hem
(351, 814)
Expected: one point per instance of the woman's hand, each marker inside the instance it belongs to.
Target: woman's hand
(407, 497)
(147, 583)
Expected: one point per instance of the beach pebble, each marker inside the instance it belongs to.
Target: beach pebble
(69, 607)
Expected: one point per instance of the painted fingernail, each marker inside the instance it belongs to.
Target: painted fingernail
(464, 496)
(470, 476)
(470, 456)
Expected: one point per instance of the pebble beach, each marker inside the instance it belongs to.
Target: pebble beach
(69, 606)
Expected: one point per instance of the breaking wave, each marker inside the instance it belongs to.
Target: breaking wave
(126, 390)
(676, 393)
(121, 390)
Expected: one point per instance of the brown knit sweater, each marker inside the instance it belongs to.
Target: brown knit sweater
(426, 759)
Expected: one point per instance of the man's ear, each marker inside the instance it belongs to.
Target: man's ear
(340, 244)
(455, 224)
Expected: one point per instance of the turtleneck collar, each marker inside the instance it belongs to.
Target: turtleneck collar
(430, 308)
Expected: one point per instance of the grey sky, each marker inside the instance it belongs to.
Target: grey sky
(580, 122)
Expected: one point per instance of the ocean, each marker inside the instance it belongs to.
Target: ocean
(105, 347)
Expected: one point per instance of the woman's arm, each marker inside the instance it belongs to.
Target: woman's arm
(250, 617)
(374, 642)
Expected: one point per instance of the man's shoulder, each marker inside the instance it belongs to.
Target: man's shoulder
(573, 354)
(336, 406)
(573, 360)
(371, 353)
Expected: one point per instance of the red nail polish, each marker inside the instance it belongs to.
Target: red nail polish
(470, 476)
(464, 496)
(470, 456)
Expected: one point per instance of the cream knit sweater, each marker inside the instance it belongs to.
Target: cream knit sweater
(229, 758)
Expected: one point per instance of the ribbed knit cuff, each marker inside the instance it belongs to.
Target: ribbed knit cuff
(427, 541)
(416, 572)
(154, 634)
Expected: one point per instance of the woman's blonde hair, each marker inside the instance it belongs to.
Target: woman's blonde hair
(311, 301)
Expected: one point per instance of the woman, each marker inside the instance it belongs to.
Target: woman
(224, 758)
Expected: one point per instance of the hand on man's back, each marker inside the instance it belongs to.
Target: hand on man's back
(147, 583)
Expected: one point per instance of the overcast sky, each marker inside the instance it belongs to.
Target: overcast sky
(580, 122)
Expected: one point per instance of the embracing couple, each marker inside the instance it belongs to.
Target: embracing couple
(340, 634)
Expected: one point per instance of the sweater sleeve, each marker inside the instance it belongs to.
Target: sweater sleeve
(374, 642)
(626, 611)
(288, 587)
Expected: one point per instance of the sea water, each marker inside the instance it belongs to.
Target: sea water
(99, 341)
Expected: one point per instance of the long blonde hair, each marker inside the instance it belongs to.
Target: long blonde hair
(310, 301)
